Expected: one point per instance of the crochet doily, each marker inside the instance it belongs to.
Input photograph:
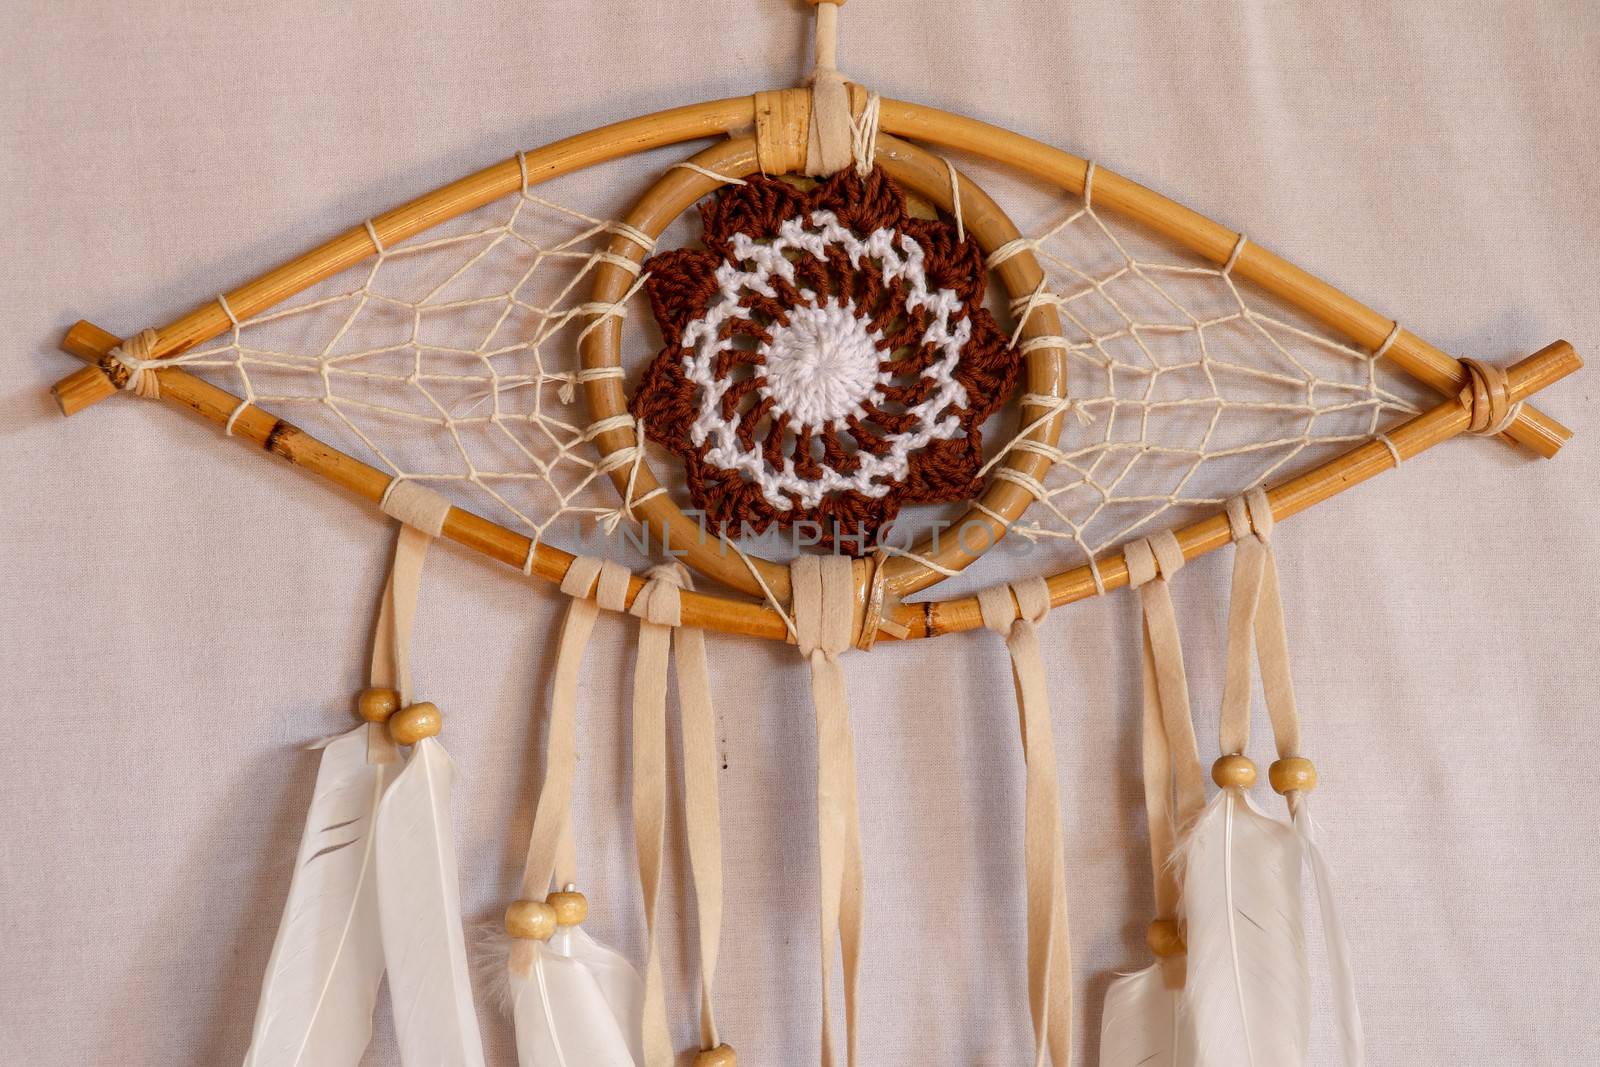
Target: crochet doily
(828, 359)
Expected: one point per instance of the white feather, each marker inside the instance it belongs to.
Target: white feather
(1145, 1023)
(327, 961)
(1347, 1015)
(575, 1003)
(419, 911)
(1247, 989)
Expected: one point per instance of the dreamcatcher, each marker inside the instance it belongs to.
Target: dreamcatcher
(854, 345)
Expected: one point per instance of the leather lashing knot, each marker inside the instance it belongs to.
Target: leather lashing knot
(1487, 398)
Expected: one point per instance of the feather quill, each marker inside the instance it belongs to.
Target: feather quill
(575, 1003)
(1145, 1022)
(327, 961)
(1247, 989)
(1347, 1015)
(419, 911)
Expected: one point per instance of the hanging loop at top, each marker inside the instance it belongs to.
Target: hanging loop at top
(834, 139)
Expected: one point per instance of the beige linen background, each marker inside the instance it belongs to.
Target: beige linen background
(178, 617)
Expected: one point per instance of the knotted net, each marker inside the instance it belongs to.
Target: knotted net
(452, 359)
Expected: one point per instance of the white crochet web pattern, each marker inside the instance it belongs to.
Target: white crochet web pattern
(452, 359)
(897, 258)
(449, 359)
(1186, 386)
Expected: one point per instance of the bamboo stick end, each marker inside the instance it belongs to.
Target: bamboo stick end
(1541, 433)
(86, 387)
(83, 388)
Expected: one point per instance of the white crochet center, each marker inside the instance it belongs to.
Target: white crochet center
(823, 366)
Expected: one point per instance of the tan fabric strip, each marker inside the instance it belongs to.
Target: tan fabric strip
(1249, 564)
(415, 505)
(1272, 638)
(658, 609)
(702, 808)
(1255, 618)
(391, 638)
(1015, 612)
(551, 854)
(1171, 754)
(824, 591)
(830, 135)
(1172, 683)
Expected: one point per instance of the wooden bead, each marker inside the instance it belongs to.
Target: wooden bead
(571, 907)
(411, 725)
(1293, 775)
(1234, 771)
(376, 705)
(531, 920)
(721, 1056)
(1165, 938)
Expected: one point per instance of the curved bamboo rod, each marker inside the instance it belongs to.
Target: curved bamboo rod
(930, 619)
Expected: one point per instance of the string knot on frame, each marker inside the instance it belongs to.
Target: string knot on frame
(131, 368)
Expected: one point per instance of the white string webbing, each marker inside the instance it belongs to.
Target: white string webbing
(472, 387)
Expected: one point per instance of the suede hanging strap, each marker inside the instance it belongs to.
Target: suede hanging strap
(421, 513)
(1255, 618)
(1015, 612)
(552, 855)
(824, 594)
(659, 608)
(1171, 755)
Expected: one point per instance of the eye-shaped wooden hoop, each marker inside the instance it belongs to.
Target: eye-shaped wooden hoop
(918, 172)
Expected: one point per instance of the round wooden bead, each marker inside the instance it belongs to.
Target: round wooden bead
(1165, 939)
(1293, 775)
(531, 920)
(571, 907)
(376, 705)
(1234, 771)
(721, 1056)
(412, 724)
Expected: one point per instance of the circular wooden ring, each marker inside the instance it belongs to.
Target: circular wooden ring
(918, 172)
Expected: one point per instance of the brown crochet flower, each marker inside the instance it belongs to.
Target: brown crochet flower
(828, 358)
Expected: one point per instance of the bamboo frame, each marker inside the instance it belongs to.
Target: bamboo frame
(784, 115)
